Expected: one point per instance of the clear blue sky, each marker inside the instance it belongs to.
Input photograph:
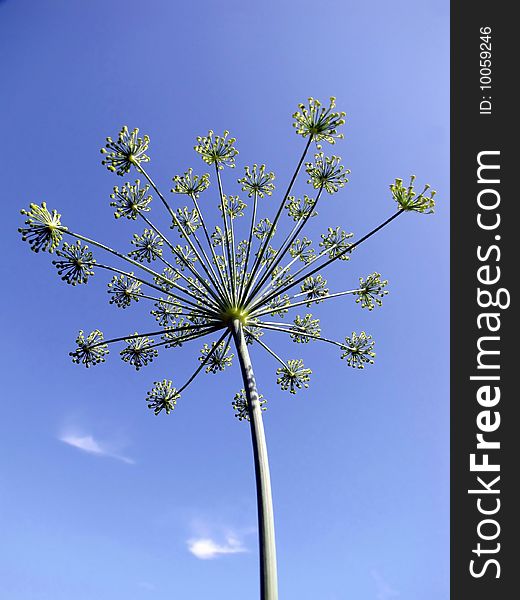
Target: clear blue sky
(359, 460)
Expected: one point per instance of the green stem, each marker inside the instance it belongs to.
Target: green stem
(211, 273)
(271, 352)
(285, 247)
(306, 302)
(193, 283)
(268, 574)
(170, 245)
(188, 338)
(182, 230)
(275, 327)
(233, 261)
(203, 363)
(226, 234)
(151, 334)
(222, 285)
(153, 286)
(270, 285)
(328, 262)
(249, 242)
(176, 253)
(263, 248)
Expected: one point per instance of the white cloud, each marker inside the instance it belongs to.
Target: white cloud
(87, 443)
(206, 548)
(146, 585)
(384, 590)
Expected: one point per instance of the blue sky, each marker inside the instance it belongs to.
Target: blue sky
(99, 498)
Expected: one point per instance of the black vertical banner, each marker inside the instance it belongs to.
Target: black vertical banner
(485, 361)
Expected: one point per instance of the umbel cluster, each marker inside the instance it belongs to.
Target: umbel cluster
(201, 277)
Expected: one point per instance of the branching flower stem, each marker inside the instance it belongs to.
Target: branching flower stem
(236, 284)
(174, 250)
(192, 309)
(204, 362)
(231, 264)
(286, 245)
(306, 302)
(326, 263)
(153, 334)
(211, 302)
(222, 287)
(276, 327)
(267, 545)
(180, 274)
(135, 264)
(268, 237)
(189, 338)
(249, 243)
(196, 311)
(147, 283)
(219, 280)
(184, 233)
(270, 284)
(271, 352)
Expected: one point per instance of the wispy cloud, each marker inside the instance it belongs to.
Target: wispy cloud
(207, 548)
(384, 590)
(146, 585)
(89, 444)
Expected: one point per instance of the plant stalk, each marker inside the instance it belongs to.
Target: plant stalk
(267, 545)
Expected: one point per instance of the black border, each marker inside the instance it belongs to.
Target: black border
(471, 133)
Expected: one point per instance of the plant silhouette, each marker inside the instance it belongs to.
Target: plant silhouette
(210, 282)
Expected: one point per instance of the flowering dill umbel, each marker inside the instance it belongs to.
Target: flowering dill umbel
(130, 200)
(123, 290)
(358, 350)
(139, 351)
(128, 150)
(163, 396)
(326, 172)
(319, 122)
(76, 264)
(43, 229)
(90, 350)
(189, 184)
(408, 199)
(217, 150)
(148, 246)
(257, 181)
(241, 405)
(220, 283)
